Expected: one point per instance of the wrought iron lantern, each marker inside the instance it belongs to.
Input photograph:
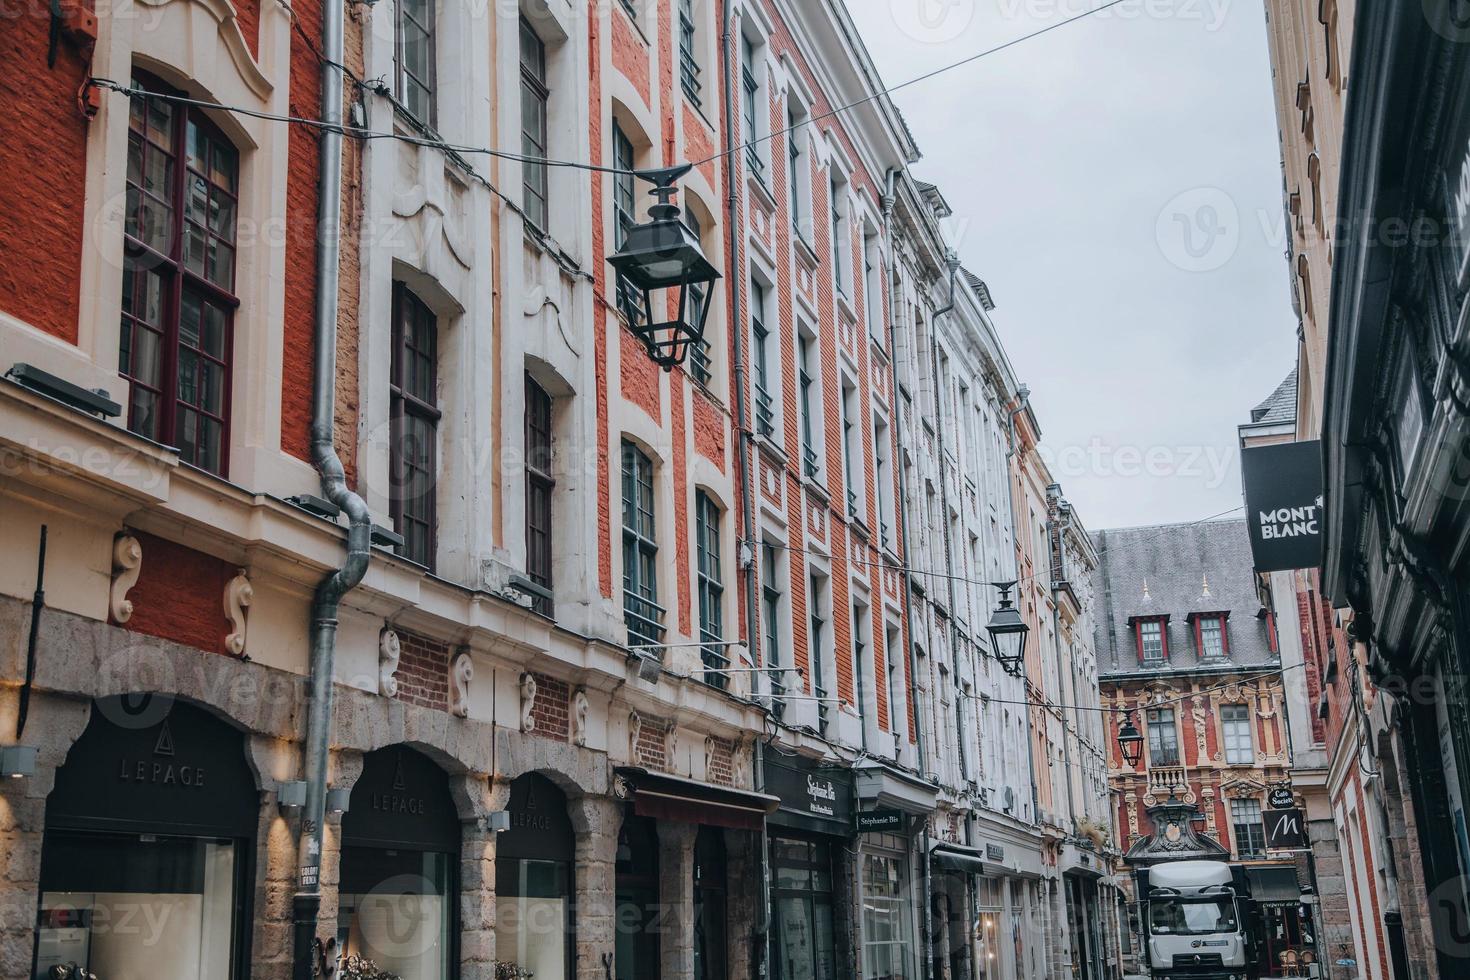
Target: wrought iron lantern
(662, 260)
(1130, 740)
(1008, 631)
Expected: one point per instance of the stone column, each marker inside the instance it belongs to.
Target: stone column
(743, 902)
(595, 820)
(676, 898)
(477, 797)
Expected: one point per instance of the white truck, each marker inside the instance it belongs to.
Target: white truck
(1196, 918)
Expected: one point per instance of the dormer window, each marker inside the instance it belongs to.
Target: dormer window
(1211, 640)
(1152, 639)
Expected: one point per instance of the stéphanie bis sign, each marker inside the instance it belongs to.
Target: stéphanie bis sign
(1283, 504)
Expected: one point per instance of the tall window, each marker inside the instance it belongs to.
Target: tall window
(849, 450)
(644, 615)
(816, 597)
(688, 63)
(1235, 720)
(749, 100)
(794, 175)
(539, 487)
(630, 299)
(1151, 642)
(178, 299)
(1250, 831)
(414, 411)
(882, 477)
(808, 425)
(711, 585)
(765, 413)
(1163, 738)
(699, 359)
(415, 58)
(839, 244)
(534, 96)
(1211, 636)
(770, 613)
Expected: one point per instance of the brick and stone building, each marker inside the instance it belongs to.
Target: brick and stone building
(1189, 649)
(620, 654)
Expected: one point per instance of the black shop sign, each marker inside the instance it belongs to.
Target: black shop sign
(1284, 830)
(1283, 504)
(401, 800)
(151, 763)
(813, 796)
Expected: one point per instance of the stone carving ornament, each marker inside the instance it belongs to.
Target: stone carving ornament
(239, 593)
(528, 702)
(580, 706)
(461, 672)
(127, 565)
(389, 650)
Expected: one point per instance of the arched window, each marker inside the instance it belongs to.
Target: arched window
(178, 300)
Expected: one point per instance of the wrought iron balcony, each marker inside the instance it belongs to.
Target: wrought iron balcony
(765, 412)
(645, 619)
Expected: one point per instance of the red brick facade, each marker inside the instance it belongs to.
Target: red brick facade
(423, 671)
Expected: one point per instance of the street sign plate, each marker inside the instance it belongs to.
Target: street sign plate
(879, 821)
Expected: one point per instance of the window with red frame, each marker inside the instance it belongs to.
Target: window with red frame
(1210, 637)
(414, 413)
(178, 301)
(1153, 642)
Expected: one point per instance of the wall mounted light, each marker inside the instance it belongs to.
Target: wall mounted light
(18, 761)
(292, 793)
(338, 800)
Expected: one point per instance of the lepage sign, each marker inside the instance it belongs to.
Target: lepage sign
(1283, 504)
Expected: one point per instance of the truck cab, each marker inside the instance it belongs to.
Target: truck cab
(1196, 917)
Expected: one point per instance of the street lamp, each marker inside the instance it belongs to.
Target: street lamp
(1008, 631)
(1130, 740)
(660, 256)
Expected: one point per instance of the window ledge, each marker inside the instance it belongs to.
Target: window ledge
(770, 448)
(804, 248)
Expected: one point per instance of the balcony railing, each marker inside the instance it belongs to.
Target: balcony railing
(1164, 779)
(645, 619)
(765, 412)
(809, 461)
(822, 708)
(699, 361)
(714, 658)
(778, 693)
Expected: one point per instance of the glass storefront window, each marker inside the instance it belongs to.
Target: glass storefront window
(533, 916)
(124, 906)
(988, 909)
(804, 944)
(396, 910)
(887, 938)
(636, 922)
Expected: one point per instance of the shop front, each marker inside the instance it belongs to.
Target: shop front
(892, 893)
(148, 853)
(534, 925)
(810, 845)
(399, 888)
(1288, 944)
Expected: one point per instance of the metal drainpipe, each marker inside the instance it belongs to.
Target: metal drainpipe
(736, 282)
(891, 180)
(329, 593)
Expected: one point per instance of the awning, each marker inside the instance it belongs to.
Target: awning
(665, 797)
(953, 857)
(1274, 884)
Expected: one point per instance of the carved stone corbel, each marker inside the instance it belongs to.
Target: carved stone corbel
(528, 702)
(580, 707)
(389, 650)
(239, 593)
(461, 671)
(635, 732)
(127, 565)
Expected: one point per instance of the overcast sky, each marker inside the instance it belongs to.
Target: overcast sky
(1117, 184)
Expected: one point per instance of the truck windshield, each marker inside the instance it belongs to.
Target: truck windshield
(1191, 917)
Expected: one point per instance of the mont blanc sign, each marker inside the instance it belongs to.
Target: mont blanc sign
(1283, 504)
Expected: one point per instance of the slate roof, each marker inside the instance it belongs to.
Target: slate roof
(1280, 406)
(1177, 560)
